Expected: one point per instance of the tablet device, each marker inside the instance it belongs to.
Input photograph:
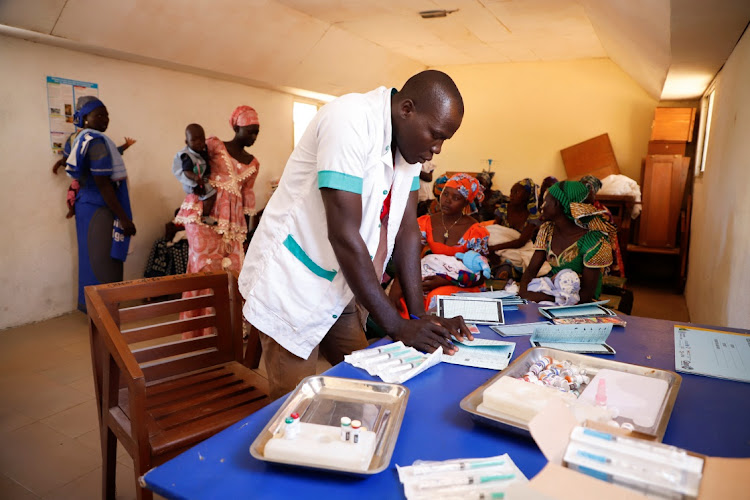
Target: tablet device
(474, 310)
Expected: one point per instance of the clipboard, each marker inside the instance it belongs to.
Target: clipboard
(480, 311)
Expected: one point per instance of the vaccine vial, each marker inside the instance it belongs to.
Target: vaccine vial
(356, 425)
(346, 429)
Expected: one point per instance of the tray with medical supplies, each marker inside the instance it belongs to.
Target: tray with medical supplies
(636, 398)
(336, 424)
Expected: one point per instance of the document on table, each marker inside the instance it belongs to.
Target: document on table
(712, 353)
(482, 353)
(518, 329)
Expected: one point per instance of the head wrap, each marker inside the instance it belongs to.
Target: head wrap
(530, 188)
(243, 116)
(485, 177)
(568, 192)
(592, 182)
(468, 186)
(85, 105)
(438, 185)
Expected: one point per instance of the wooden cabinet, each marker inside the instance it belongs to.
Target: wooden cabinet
(664, 178)
(673, 124)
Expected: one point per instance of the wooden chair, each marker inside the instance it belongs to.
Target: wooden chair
(157, 393)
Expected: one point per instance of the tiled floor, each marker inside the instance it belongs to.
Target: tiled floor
(48, 425)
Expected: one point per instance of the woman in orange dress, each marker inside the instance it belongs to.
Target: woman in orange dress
(233, 172)
(446, 233)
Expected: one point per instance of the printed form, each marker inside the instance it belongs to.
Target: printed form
(712, 353)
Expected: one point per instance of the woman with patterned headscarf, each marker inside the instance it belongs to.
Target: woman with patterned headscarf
(519, 214)
(233, 172)
(575, 237)
(594, 185)
(448, 232)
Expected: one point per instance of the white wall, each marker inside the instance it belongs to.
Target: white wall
(718, 287)
(522, 114)
(153, 105)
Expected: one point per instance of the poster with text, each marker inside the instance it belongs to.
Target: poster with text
(62, 94)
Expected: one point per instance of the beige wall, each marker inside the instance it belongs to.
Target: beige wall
(522, 114)
(718, 288)
(38, 250)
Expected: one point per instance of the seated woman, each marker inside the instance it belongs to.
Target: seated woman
(492, 197)
(515, 223)
(446, 233)
(575, 237)
(594, 185)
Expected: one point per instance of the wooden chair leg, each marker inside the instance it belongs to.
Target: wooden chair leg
(141, 468)
(253, 350)
(109, 463)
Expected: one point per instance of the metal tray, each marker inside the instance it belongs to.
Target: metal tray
(324, 400)
(521, 365)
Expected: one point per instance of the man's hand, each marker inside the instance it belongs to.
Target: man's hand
(430, 332)
(425, 335)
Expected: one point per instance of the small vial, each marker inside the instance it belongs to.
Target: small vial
(346, 429)
(290, 432)
(296, 422)
(356, 425)
(601, 393)
(547, 360)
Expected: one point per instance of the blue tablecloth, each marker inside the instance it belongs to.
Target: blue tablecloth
(710, 417)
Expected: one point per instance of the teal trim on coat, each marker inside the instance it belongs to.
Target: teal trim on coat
(340, 181)
(291, 244)
(415, 184)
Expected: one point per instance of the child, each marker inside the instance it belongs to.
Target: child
(192, 169)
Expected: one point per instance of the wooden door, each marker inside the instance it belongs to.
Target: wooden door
(663, 185)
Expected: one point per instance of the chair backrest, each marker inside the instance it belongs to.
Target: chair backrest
(153, 331)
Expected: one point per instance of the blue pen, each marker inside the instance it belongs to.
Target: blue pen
(413, 317)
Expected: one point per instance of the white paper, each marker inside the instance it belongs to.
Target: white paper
(517, 330)
(482, 353)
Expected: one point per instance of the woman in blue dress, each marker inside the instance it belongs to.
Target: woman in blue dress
(104, 221)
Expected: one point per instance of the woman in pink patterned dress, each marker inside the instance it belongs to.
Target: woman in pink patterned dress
(233, 172)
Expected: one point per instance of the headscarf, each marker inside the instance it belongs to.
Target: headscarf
(571, 195)
(468, 186)
(531, 204)
(568, 192)
(438, 185)
(592, 182)
(243, 116)
(485, 178)
(85, 105)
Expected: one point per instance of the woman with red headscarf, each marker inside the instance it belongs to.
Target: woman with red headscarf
(233, 172)
(448, 232)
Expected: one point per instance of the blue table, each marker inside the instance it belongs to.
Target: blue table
(710, 417)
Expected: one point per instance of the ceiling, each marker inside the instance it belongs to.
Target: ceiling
(337, 46)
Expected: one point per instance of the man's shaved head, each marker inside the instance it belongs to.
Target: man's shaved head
(432, 88)
(425, 112)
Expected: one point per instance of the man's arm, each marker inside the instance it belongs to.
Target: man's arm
(343, 218)
(406, 258)
(406, 252)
